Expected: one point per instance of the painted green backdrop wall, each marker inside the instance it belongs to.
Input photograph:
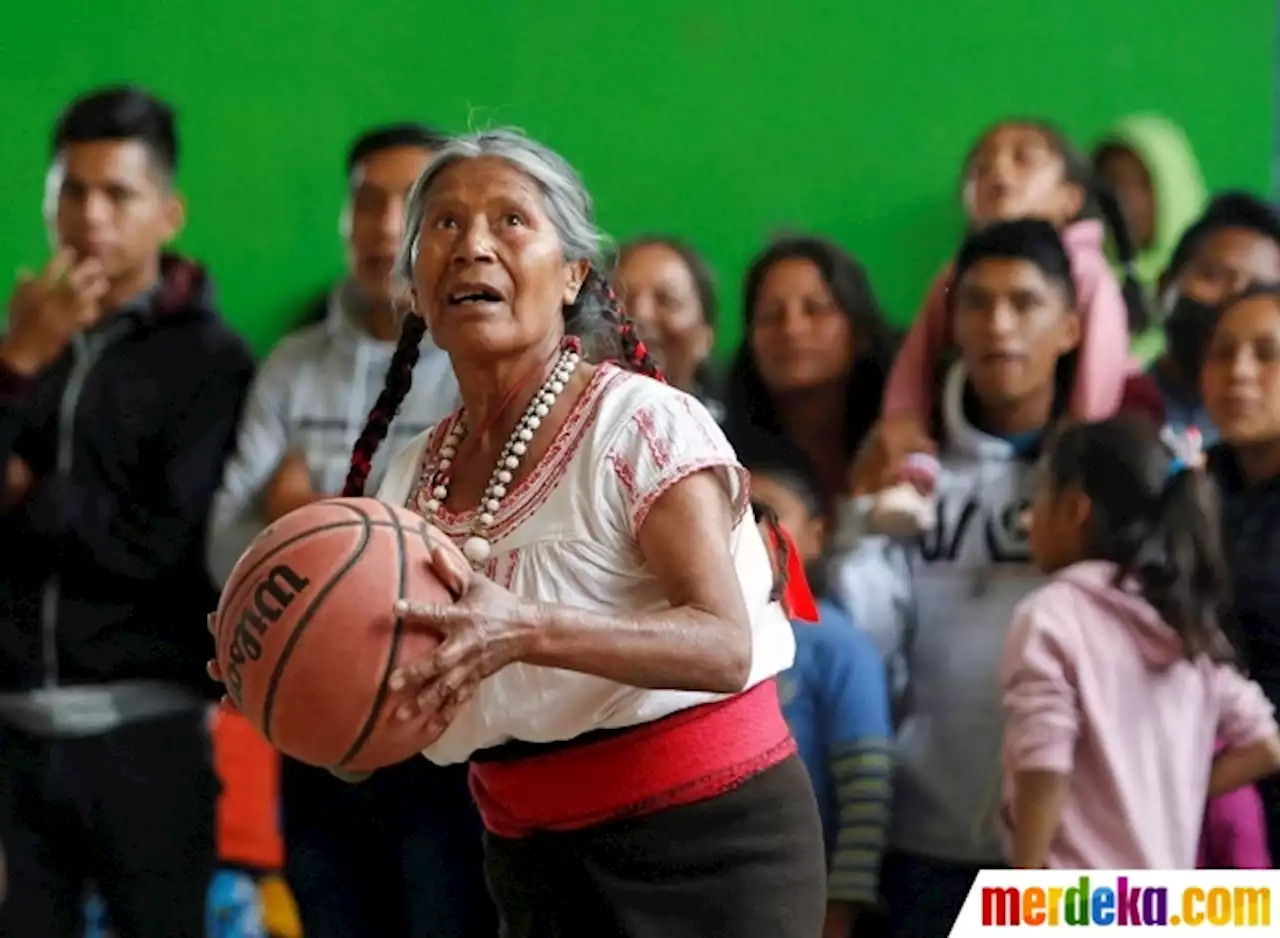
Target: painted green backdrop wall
(723, 120)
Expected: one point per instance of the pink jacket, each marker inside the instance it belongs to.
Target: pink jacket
(1104, 342)
(1096, 688)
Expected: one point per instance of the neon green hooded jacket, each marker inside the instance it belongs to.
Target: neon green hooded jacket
(1180, 197)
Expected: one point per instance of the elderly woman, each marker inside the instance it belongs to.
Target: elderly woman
(608, 665)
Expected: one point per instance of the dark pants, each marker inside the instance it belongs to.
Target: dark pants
(397, 855)
(744, 864)
(924, 895)
(131, 810)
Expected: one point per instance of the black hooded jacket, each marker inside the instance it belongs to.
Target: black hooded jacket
(1251, 538)
(101, 573)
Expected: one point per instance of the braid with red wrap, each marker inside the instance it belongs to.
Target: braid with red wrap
(608, 334)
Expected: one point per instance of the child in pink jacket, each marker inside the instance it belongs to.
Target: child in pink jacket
(1118, 684)
(1027, 169)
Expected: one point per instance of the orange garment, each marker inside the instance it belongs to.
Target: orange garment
(249, 808)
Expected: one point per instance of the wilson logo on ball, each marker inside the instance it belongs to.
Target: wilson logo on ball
(270, 597)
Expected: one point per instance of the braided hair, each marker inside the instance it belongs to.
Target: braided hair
(595, 317)
(607, 333)
(395, 387)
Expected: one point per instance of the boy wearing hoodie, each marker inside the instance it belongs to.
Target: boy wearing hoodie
(119, 389)
(1150, 165)
(939, 605)
(374, 858)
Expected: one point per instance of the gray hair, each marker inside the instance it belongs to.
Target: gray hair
(568, 202)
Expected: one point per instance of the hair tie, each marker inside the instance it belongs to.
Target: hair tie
(1186, 451)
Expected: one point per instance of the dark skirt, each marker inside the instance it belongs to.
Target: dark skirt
(746, 863)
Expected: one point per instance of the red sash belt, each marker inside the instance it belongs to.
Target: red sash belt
(689, 756)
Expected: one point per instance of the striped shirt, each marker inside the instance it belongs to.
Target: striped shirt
(836, 701)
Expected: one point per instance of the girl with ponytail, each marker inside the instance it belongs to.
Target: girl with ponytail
(1028, 169)
(1125, 642)
(614, 601)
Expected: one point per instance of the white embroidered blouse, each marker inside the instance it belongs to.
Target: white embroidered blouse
(567, 534)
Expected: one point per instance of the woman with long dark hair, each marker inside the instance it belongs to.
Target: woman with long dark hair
(813, 362)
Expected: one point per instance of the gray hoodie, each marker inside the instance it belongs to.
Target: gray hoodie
(312, 396)
(939, 609)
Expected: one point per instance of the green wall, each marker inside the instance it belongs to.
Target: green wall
(724, 120)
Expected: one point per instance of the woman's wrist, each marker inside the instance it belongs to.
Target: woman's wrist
(529, 633)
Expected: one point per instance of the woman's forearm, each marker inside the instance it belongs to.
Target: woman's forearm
(675, 649)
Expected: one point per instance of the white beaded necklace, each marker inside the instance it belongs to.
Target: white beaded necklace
(477, 547)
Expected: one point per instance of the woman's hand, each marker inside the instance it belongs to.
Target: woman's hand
(212, 668)
(484, 630)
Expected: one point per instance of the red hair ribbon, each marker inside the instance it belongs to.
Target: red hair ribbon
(797, 596)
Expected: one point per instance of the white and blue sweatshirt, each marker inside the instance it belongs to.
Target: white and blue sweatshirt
(311, 396)
(938, 609)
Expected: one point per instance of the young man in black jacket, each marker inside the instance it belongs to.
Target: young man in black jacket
(119, 392)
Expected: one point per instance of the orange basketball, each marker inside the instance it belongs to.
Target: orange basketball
(307, 635)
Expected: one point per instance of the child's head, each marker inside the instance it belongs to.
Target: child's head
(1149, 163)
(1240, 381)
(1012, 304)
(784, 483)
(1025, 168)
(1113, 491)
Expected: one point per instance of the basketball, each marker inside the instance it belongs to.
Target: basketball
(307, 637)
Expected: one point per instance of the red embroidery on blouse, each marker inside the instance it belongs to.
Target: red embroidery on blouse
(530, 493)
(626, 473)
(659, 446)
(504, 568)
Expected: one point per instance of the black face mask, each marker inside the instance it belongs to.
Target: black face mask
(1187, 330)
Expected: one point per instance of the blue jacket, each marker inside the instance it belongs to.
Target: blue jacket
(836, 700)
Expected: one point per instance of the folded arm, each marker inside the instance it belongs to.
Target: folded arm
(140, 535)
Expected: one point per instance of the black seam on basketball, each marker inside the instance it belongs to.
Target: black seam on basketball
(397, 632)
(246, 579)
(304, 620)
